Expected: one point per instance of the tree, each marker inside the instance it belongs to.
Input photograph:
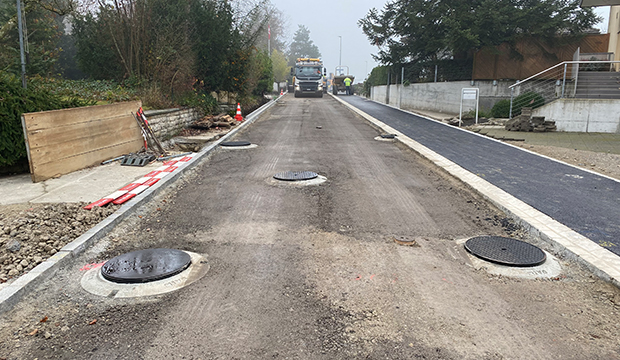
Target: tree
(421, 30)
(42, 33)
(281, 69)
(302, 46)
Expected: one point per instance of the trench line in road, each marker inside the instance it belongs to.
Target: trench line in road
(563, 239)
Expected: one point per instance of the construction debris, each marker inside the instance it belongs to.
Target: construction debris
(218, 121)
(527, 122)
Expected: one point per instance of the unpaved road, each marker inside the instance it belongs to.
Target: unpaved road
(312, 272)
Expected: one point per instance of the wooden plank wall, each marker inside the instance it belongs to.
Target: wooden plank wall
(63, 141)
(496, 63)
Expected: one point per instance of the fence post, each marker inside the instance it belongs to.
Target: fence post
(435, 73)
(564, 80)
(512, 94)
(387, 89)
(402, 83)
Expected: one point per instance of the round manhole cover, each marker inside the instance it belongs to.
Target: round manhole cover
(236, 143)
(145, 265)
(505, 251)
(388, 136)
(295, 175)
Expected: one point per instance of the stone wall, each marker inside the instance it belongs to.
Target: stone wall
(167, 123)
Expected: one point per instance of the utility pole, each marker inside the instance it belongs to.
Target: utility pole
(21, 41)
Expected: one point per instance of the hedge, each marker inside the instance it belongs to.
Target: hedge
(14, 101)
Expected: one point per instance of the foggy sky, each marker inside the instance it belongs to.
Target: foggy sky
(327, 20)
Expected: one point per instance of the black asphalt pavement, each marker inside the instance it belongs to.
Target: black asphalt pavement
(585, 202)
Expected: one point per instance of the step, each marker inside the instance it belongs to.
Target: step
(598, 74)
(608, 97)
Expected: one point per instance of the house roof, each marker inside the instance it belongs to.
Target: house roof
(591, 3)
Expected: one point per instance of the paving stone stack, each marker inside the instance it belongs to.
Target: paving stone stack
(527, 122)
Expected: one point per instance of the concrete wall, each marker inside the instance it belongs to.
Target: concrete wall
(583, 115)
(442, 96)
(168, 123)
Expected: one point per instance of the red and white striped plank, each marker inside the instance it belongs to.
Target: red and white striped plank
(128, 192)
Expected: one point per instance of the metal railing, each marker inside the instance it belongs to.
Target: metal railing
(559, 81)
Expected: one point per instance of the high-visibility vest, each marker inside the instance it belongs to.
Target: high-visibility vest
(347, 82)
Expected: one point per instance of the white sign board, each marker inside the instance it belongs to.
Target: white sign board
(470, 94)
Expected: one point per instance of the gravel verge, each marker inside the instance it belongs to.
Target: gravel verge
(31, 233)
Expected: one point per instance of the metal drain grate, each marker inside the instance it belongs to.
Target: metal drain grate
(388, 136)
(295, 175)
(236, 143)
(145, 265)
(505, 251)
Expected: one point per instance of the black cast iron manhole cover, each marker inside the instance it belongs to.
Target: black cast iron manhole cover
(505, 251)
(388, 136)
(236, 143)
(145, 265)
(295, 175)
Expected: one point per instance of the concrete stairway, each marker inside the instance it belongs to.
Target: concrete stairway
(598, 85)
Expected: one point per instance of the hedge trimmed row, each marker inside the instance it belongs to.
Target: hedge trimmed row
(14, 101)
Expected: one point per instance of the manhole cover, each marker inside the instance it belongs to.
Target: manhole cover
(388, 136)
(236, 143)
(505, 251)
(145, 265)
(296, 175)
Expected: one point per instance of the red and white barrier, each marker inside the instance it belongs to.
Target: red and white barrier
(130, 191)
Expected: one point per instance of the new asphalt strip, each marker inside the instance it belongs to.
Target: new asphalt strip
(554, 197)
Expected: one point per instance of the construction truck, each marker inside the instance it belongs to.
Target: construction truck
(341, 73)
(308, 76)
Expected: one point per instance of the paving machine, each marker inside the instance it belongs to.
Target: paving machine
(341, 73)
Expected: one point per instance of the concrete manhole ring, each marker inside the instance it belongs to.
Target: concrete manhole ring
(295, 175)
(387, 139)
(94, 282)
(550, 269)
(237, 145)
(318, 180)
(505, 251)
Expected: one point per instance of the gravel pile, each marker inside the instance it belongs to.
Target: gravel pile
(30, 236)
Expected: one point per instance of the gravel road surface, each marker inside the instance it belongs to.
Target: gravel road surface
(313, 272)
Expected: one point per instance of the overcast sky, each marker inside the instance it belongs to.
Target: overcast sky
(329, 19)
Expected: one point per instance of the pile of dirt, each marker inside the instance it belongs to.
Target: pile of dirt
(31, 233)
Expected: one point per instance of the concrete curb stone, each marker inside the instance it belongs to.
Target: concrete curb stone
(562, 240)
(14, 292)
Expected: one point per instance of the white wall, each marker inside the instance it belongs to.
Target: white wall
(583, 115)
(442, 96)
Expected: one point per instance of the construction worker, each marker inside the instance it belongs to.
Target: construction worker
(347, 83)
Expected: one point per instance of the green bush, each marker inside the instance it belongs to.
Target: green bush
(501, 109)
(15, 102)
(528, 99)
(205, 103)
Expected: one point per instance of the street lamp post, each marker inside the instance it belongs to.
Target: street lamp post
(340, 59)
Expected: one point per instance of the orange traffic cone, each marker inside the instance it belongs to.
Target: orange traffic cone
(238, 117)
(281, 92)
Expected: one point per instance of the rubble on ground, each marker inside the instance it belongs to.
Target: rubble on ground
(527, 122)
(29, 237)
